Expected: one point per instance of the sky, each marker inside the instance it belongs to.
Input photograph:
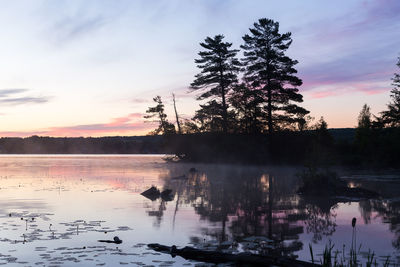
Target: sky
(92, 67)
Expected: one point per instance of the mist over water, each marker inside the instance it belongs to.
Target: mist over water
(54, 209)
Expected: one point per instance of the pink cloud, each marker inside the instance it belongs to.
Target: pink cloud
(324, 90)
(123, 120)
(132, 124)
(367, 51)
(338, 83)
(322, 94)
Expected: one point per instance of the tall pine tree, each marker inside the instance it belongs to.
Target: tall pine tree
(268, 69)
(219, 68)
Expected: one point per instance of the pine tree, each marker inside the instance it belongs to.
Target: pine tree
(391, 117)
(248, 105)
(158, 111)
(268, 69)
(219, 68)
(363, 137)
(209, 117)
(364, 118)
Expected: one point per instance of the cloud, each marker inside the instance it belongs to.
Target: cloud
(365, 18)
(336, 89)
(355, 69)
(132, 124)
(12, 97)
(355, 52)
(139, 100)
(67, 21)
(70, 28)
(128, 125)
(23, 100)
(7, 92)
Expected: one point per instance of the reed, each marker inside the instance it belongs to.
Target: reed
(336, 258)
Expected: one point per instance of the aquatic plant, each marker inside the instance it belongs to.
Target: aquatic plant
(330, 255)
(311, 252)
(353, 253)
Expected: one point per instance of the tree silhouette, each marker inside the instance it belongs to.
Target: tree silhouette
(249, 109)
(210, 118)
(158, 111)
(219, 69)
(364, 118)
(364, 137)
(391, 117)
(268, 69)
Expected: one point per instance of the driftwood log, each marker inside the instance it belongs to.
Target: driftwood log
(190, 253)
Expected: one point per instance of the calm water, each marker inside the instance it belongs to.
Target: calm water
(54, 209)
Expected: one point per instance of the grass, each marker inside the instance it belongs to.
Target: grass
(336, 258)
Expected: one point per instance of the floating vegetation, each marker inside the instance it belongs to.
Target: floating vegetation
(35, 228)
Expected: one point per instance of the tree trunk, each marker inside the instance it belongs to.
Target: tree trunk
(224, 107)
(162, 122)
(270, 129)
(176, 115)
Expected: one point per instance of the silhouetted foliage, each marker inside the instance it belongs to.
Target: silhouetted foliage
(364, 118)
(248, 104)
(268, 69)
(323, 137)
(190, 127)
(391, 117)
(209, 117)
(219, 68)
(158, 112)
(364, 135)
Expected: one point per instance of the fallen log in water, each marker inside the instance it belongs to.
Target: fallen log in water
(116, 240)
(190, 253)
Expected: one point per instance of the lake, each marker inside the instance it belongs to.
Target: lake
(55, 208)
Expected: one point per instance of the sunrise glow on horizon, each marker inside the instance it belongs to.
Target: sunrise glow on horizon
(91, 68)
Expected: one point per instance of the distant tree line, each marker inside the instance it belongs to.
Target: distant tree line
(81, 145)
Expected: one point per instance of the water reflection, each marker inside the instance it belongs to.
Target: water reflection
(320, 218)
(388, 211)
(245, 202)
(76, 200)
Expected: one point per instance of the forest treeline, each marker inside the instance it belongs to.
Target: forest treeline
(250, 110)
(81, 145)
(150, 144)
(323, 146)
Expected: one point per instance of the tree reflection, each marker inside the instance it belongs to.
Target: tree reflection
(389, 211)
(157, 211)
(320, 217)
(387, 208)
(239, 203)
(244, 202)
